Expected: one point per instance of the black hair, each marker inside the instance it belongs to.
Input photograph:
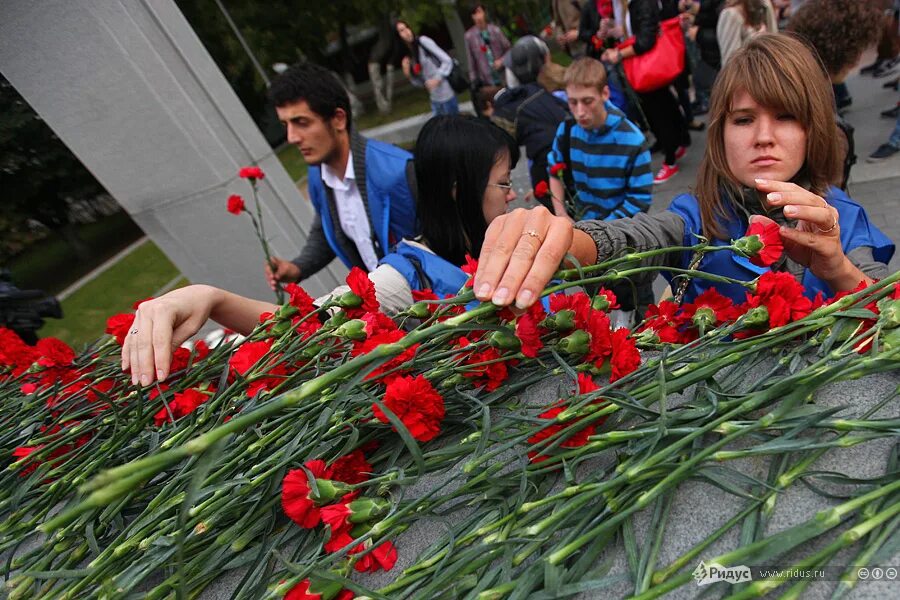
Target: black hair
(411, 49)
(457, 150)
(476, 7)
(315, 85)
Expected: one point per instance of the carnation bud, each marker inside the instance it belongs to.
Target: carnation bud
(600, 302)
(280, 328)
(504, 339)
(310, 352)
(336, 320)
(419, 310)
(577, 342)
(354, 329)
(366, 509)
(564, 320)
(749, 245)
(891, 339)
(327, 490)
(286, 311)
(452, 382)
(757, 317)
(705, 318)
(349, 300)
(647, 336)
(890, 313)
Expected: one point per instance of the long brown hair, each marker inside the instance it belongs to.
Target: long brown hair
(780, 72)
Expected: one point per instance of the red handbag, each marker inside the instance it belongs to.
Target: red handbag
(660, 65)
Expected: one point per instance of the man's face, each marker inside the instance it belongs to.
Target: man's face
(315, 137)
(586, 104)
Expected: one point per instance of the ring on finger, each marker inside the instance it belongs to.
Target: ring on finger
(830, 229)
(534, 234)
(133, 332)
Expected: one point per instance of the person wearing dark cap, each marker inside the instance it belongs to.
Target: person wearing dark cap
(524, 61)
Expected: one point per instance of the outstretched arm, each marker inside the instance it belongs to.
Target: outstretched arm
(161, 325)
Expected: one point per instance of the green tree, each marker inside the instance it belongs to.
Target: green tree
(39, 175)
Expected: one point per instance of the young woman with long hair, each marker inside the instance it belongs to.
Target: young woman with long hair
(772, 154)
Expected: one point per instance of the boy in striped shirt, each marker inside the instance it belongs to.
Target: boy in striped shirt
(605, 154)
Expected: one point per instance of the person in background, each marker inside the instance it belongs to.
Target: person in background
(888, 43)
(566, 19)
(740, 21)
(484, 100)
(382, 56)
(706, 69)
(771, 155)
(427, 65)
(607, 163)
(466, 162)
(486, 46)
(840, 31)
(660, 106)
(360, 189)
(529, 111)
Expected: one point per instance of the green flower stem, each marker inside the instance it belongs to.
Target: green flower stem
(845, 539)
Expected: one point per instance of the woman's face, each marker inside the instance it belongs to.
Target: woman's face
(498, 192)
(405, 33)
(762, 143)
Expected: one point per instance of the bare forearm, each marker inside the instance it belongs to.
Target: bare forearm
(235, 312)
(556, 195)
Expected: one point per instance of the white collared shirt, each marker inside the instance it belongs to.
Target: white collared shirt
(351, 211)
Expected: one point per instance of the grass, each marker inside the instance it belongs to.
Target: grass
(138, 275)
(50, 264)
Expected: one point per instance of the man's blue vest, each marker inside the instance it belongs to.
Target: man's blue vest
(856, 231)
(423, 269)
(391, 205)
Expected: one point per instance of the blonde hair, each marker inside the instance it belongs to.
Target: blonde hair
(586, 71)
(780, 72)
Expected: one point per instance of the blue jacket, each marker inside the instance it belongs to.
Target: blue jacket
(425, 270)
(856, 231)
(386, 195)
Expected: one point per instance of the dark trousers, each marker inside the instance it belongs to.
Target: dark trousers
(666, 121)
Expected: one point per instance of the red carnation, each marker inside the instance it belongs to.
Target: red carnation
(470, 268)
(251, 173)
(324, 590)
(337, 517)
(118, 326)
(182, 404)
(54, 353)
(362, 286)
(417, 69)
(529, 332)
(600, 330)
(352, 468)
(782, 295)
(484, 48)
(596, 42)
(247, 355)
(295, 495)
(574, 440)
(541, 189)
(625, 356)
(772, 245)
(235, 204)
(299, 299)
(557, 168)
(586, 384)
(490, 375)
(384, 556)
(416, 403)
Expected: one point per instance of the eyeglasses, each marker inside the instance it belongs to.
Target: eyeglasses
(508, 186)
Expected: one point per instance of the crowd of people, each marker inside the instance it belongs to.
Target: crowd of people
(775, 152)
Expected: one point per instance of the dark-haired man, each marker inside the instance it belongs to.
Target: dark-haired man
(359, 188)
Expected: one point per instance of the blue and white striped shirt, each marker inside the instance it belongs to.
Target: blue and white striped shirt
(610, 167)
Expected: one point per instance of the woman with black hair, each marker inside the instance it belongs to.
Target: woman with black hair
(427, 65)
(463, 168)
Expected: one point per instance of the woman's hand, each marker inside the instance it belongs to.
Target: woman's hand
(160, 326)
(431, 84)
(521, 252)
(404, 64)
(816, 241)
